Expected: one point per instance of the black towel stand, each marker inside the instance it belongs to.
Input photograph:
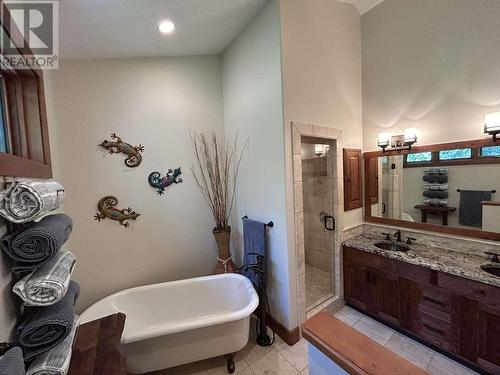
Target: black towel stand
(270, 224)
(493, 191)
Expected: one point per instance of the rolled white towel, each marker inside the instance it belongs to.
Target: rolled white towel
(26, 200)
(57, 360)
(49, 283)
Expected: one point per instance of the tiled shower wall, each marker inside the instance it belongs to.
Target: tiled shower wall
(315, 197)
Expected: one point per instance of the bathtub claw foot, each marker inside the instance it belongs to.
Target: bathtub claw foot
(230, 363)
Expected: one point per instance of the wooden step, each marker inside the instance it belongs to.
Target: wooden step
(353, 351)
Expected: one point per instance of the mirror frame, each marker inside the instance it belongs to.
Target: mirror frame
(475, 159)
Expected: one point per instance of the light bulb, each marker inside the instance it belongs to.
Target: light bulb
(166, 27)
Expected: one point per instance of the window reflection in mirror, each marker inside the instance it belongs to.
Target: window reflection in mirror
(452, 195)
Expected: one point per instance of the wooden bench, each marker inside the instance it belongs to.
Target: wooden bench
(96, 350)
(352, 351)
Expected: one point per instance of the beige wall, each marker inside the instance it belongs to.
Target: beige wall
(321, 65)
(321, 47)
(491, 218)
(152, 102)
(253, 109)
(432, 65)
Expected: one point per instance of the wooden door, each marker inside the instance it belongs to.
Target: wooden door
(356, 285)
(352, 179)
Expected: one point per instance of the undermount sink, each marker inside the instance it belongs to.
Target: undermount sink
(492, 269)
(392, 246)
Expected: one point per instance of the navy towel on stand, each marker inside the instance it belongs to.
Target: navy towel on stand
(254, 241)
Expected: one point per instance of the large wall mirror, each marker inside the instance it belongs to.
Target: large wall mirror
(450, 188)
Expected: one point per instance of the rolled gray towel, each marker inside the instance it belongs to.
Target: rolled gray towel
(33, 246)
(12, 362)
(56, 361)
(432, 178)
(48, 326)
(436, 194)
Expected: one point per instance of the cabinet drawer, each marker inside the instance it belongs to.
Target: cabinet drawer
(469, 288)
(435, 330)
(375, 261)
(435, 301)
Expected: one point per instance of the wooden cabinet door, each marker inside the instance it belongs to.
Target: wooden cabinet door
(384, 296)
(352, 179)
(480, 333)
(356, 285)
(373, 182)
(488, 355)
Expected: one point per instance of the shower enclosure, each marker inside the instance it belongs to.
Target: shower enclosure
(318, 159)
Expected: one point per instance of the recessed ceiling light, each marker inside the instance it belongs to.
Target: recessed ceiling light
(166, 27)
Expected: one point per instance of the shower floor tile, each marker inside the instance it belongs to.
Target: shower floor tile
(317, 286)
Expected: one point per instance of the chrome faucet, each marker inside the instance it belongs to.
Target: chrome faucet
(494, 255)
(398, 235)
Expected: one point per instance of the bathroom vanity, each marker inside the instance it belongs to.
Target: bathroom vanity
(436, 294)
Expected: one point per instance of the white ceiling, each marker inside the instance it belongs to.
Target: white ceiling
(363, 6)
(129, 28)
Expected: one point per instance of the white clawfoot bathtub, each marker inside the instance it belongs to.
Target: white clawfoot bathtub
(178, 322)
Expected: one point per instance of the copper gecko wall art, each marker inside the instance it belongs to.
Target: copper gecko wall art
(107, 209)
(117, 146)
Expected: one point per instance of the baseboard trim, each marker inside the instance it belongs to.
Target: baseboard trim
(290, 337)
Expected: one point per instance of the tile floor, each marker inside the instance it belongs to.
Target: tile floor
(278, 359)
(402, 345)
(281, 359)
(317, 286)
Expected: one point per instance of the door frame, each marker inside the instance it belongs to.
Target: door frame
(300, 130)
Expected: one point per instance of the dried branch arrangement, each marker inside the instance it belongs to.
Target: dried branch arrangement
(216, 172)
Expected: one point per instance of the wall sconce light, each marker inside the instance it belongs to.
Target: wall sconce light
(318, 150)
(384, 140)
(410, 137)
(398, 142)
(492, 124)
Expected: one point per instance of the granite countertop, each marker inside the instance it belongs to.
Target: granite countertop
(457, 263)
